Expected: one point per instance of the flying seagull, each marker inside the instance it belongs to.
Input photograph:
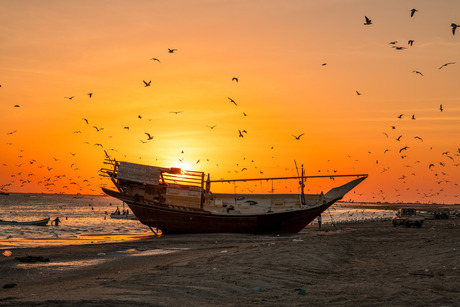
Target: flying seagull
(176, 112)
(446, 64)
(298, 137)
(90, 95)
(440, 108)
(368, 21)
(147, 83)
(417, 72)
(155, 59)
(454, 27)
(70, 98)
(358, 93)
(399, 48)
(86, 120)
(231, 100)
(235, 79)
(410, 42)
(149, 136)
(412, 12)
(400, 115)
(404, 148)
(171, 50)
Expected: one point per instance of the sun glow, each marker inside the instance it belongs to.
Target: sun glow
(182, 165)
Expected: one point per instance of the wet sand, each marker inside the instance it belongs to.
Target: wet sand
(363, 264)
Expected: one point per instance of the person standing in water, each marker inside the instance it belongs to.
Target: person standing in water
(319, 222)
(56, 221)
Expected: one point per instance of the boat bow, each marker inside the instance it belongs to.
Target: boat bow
(339, 192)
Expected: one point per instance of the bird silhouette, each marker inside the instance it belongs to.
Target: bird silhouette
(413, 116)
(410, 42)
(155, 59)
(70, 98)
(404, 148)
(440, 108)
(417, 72)
(358, 93)
(418, 138)
(368, 21)
(90, 95)
(412, 12)
(17, 106)
(233, 101)
(235, 79)
(147, 83)
(399, 138)
(454, 27)
(149, 137)
(171, 50)
(400, 116)
(299, 136)
(399, 48)
(212, 127)
(86, 120)
(240, 134)
(393, 43)
(175, 112)
(446, 64)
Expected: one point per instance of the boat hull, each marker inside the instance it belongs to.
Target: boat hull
(171, 220)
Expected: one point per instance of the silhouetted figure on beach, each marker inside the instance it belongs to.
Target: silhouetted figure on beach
(56, 221)
(319, 222)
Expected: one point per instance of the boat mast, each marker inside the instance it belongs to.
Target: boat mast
(302, 186)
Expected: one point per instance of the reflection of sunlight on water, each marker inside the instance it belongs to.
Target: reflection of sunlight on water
(61, 265)
(73, 264)
(75, 240)
(155, 252)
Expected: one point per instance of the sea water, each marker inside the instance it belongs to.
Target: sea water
(79, 216)
(90, 215)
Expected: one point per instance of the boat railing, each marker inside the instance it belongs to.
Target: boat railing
(185, 178)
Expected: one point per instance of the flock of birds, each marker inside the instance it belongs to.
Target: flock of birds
(49, 183)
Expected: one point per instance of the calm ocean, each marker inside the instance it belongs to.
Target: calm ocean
(90, 215)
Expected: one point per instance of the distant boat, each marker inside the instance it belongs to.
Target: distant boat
(129, 216)
(42, 222)
(179, 201)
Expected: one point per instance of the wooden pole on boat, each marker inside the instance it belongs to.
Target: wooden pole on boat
(302, 186)
(294, 177)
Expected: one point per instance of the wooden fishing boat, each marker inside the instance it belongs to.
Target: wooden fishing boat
(42, 222)
(130, 216)
(179, 201)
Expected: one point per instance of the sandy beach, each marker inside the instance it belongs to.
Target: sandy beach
(362, 264)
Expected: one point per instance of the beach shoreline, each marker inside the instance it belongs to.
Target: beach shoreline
(362, 264)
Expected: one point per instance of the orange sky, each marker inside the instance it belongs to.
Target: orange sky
(55, 49)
